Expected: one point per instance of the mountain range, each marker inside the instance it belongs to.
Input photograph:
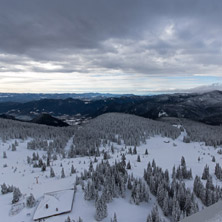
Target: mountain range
(27, 97)
(203, 107)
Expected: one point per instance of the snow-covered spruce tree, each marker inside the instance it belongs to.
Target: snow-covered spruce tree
(123, 159)
(52, 173)
(4, 189)
(139, 192)
(129, 184)
(182, 172)
(186, 139)
(79, 220)
(154, 215)
(30, 201)
(68, 219)
(114, 218)
(10, 189)
(4, 155)
(43, 167)
(73, 169)
(130, 151)
(89, 191)
(13, 147)
(206, 173)
(101, 209)
(90, 166)
(128, 166)
(218, 171)
(176, 210)
(48, 161)
(62, 173)
(16, 195)
(165, 207)
(29, 160)
(198, 188)
(16, 143)
(160, 194)
(72, 152)
(138, 158)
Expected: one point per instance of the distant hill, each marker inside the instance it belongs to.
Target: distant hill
(47, 119)
(44, 119)
(5, 116)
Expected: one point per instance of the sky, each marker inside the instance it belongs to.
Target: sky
(114, 46)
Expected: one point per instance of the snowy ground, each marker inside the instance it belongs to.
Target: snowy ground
(165, 151)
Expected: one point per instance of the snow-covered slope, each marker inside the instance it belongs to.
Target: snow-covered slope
(166, 152)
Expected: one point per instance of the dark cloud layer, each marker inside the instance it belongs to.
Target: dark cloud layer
(146, 37)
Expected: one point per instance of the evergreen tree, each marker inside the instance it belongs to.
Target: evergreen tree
(89, 191)
(48, 161)
(16, 195)
(72, 152)
(30, 201)
(80, 219)
(43, 167)
(160, 194)
(13, 147)
(90, 166)
(68, 219)
(176, 210)
(62, 173)
(52, 174)
(4, 189)
(183, 162)
(112, 149)
(128, 166)
(218, 171)
(166, 204)
(73, 170)
(123, 159)
(29, 160)
(129, 184)
(138, 158)
(154, 215)
(206, 173)
(4, 155)
(101, 209)
(114, 218)
(130, 151)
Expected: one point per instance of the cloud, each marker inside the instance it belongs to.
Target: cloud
(128, 39)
